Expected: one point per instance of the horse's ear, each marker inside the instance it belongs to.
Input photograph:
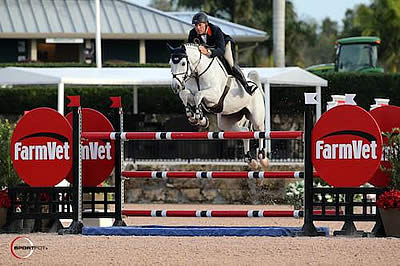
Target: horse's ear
(170, 48)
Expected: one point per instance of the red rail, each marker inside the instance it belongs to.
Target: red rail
(194, 135)
(216, 213)
(213, 174)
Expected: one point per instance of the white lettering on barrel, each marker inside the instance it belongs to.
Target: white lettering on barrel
(354, 150)
(49, 151)
(95, 151)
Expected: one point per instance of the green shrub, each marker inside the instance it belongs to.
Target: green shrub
(158, 100)
(8, 176)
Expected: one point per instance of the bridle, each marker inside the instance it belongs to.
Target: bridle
(176, 58)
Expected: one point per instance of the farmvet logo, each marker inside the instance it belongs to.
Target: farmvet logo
(48, 151)
(22, 247)
(96, 151)
(353, 149)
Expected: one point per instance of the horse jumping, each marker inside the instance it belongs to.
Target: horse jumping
(204, 84)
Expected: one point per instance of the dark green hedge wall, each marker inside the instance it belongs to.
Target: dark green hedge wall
(161, 100)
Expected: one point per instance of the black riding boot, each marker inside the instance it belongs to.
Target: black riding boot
(250, 88)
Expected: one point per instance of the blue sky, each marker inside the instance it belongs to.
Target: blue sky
(317, 9)
(320, 9)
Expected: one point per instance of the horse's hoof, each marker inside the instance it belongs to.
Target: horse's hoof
(193, 122)
(247, 158)
(205, 122)
(264, 164)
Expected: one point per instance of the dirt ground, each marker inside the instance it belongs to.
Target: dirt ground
(131, 250)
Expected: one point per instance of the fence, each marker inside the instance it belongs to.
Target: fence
(281, 150)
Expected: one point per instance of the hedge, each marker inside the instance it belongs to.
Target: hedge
(161, 100)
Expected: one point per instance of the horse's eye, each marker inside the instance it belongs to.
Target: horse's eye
(183, 63)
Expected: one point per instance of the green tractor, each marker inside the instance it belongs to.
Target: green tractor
(354, 54)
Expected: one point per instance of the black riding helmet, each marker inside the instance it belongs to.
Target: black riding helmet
(200, 17)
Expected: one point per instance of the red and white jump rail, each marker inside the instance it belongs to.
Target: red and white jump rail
(193, 135)
(213, 174)
(214, 213)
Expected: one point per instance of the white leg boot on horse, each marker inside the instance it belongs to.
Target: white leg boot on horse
(201, 118)
(257, 119)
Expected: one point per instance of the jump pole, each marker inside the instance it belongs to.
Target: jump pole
(215, 174)
(194, 135)
(221, 213)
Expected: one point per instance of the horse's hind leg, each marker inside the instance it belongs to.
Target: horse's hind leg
(256, 114)
(237, 122)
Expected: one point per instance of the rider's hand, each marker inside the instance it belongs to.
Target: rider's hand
(204, 50)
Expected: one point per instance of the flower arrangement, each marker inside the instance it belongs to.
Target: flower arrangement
(389, 199)
(5, 201)
(295, 194)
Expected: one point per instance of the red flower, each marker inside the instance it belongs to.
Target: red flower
(5, 201)
(389, 199)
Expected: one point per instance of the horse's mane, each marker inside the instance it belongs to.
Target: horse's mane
(192, 49)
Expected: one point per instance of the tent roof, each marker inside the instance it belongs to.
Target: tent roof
(120, 19)
(289, 76)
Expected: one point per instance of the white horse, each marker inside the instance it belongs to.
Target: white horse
(203, 83)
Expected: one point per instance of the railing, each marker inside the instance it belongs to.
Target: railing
(229, 150)
(282, 150)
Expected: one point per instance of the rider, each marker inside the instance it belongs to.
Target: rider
(213, 42)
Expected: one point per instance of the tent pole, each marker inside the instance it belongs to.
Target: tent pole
(267, 93)
(319, 105)
(60, 98)
(98, 36)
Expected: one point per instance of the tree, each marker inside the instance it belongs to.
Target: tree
(164, 5)
(349, 29)
(258, 14)
(382, 18)
(237, 11)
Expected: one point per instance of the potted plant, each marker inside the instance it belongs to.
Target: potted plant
(388, 202)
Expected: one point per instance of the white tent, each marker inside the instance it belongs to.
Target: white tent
(139, 77)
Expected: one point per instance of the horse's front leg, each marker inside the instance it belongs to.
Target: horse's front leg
(201, 119)
(186, 96)
(199, 115)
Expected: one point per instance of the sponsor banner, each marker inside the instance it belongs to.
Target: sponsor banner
(97, 155)
(387, 117)
(346, 146)
(41, 147)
